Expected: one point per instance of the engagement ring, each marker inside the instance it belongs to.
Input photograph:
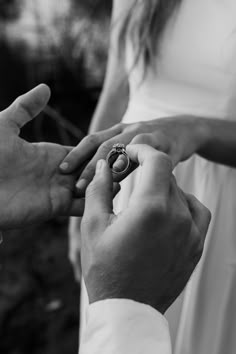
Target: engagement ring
(116, 151)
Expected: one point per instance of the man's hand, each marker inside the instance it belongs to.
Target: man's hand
(32, 188)
(148, 252)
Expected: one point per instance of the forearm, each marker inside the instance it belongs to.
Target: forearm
(111, 108)
(115, 93)
(219, 143)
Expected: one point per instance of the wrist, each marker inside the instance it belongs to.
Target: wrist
(159, 303)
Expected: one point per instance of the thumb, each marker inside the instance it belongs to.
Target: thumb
(27, 106)
(99, 194)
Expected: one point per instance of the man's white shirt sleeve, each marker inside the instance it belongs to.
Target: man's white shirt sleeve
(120, 326)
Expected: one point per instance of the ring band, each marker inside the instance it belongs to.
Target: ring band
(117, 149)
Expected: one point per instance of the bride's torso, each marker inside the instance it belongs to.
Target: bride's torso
(196, 69)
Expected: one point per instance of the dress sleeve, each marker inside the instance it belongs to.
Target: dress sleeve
(121, 326)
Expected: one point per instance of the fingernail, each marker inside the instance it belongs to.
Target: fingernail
(64, 166)
(99, 166)
(81, 184)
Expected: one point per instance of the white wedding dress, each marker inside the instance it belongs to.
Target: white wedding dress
(196, 74)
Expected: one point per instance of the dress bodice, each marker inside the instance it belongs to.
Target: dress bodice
(196, 69)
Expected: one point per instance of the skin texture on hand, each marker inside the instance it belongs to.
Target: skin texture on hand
(148, 252)
(32, 189)
(179, 137)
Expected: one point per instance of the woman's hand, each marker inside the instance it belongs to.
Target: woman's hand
(179, 137)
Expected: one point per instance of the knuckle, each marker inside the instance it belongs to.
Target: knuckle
(161, 158)
(135, 127)
(119, 126)
(91, 139)
(162, 142)
(164, 157)
(105, 148)
(141, 139)
(22, 107)
(156, 208)
(166, 160)
(154, 212)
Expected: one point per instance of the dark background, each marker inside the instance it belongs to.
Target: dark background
(64, 44)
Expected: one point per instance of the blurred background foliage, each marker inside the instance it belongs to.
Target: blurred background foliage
(60, 42)
(64, 44)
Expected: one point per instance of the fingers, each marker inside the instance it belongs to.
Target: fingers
(26, 107)
(200, 214)
(78, 204)
(124, 138)
(145, 138)
(99, 194)
(101, 153)
(120, 164)
(116, 188)
(156, 170)
(86, 149)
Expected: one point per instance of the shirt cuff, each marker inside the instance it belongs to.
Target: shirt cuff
(120, 326)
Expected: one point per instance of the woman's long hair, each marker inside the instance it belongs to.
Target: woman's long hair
(144, 24)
